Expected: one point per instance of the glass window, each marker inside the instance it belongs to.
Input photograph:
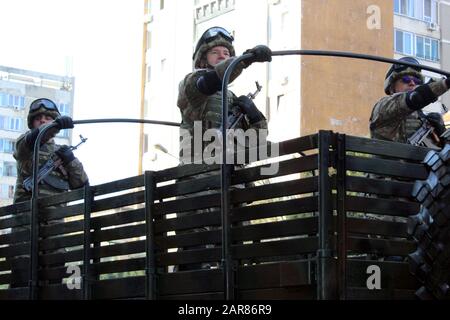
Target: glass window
(427, 47)
(427, 10)
(2, 122)
(14, 124)
(434, 50)
(397, 6)
(398, 41)
(9, 169)
(3, 99)
(408, 43)
(420, 48)
(4, 191)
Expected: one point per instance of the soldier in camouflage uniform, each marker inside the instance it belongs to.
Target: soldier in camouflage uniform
(399, 115)
(200, 98)
(70, 175)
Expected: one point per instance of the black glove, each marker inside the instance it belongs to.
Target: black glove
(420, 97)
(64, 122)
(31, 137)
(65, 154)
(436, 120)
(260, 53)
(248, 107)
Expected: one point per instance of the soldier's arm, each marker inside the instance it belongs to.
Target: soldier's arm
(22, 150)
(77, 175)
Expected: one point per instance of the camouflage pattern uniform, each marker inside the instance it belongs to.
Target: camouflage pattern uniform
(196, 106)
(393, 120)
(56, 182)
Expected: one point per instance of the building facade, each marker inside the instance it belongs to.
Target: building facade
(18, 88)
(301, 94)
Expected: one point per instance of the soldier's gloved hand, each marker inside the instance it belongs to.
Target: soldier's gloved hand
(436, 120)
(65, 154)
(260, 53)
(249, 108)
(64, 122)
(31, 137)
(420, 97)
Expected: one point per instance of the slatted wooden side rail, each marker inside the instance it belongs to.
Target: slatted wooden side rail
(118, 232)
(375, 202)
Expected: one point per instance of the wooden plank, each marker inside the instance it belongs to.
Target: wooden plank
(118, 201)
(380, 187)
(393, 274)
(118, 185)
(246, 213)
(242, 233)
(247, 251)
(15, 237)
(18, 263)
(382, 247)
(64, 197)
(15, 221)
(15, 208)
(377, 227)
(291, 293)
(131, 287)
(386, 148)
(299, 186)
(381, 206)
(387, 167)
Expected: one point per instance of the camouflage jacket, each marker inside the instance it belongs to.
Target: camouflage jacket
(195, 106)
(76, 176)
(393, 120)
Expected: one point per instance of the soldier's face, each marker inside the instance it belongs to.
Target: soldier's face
(217, 54)
(41, 119)
(402, 86)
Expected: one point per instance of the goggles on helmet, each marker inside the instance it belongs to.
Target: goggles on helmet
(211, 34)
(43, 103)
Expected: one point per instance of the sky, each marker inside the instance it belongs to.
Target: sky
(103, 41)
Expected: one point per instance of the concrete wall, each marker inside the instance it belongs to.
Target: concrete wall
(338, 94)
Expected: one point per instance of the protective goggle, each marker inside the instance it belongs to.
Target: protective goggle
(43, 103)
(408, 79)
(212, 33)
(400, 67)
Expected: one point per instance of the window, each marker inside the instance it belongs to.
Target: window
(14, 124)
(9, 169)
(5, 191)
(64, 109)
(426, 10)
(414, 45)
(403, 42)
(7, 145)
(10, 100)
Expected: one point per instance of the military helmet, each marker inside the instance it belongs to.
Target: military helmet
(42, 106)
(399, 70)
(213, 37)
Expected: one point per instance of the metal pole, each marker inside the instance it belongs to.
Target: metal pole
(341, 216)
(87, 272)
(324, 254)
(150, 261)
(227, 259)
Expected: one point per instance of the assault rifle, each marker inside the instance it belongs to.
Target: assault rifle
(51, 164)
(234, 118)
(425, 135)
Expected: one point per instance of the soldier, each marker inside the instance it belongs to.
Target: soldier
(199, 97)
(200, 100)
(399, 115)
(70, 175)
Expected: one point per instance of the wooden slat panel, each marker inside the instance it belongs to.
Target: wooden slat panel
(381, 187)
(118, 185)
(387, 167)
(385, 148)
(381, 206)
(381, 246)
(376, 227)
(14, 294)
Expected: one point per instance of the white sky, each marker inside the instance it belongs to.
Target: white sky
(104, 40)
